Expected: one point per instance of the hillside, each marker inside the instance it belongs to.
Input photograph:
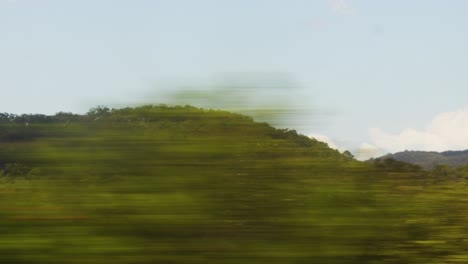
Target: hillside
(430, 159)
(156, 184)
(131, 135)
(178, 184)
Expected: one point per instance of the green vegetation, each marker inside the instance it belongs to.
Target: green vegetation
(431, 159)
(163, 184)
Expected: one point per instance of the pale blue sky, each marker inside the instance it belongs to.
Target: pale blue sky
(390, 65)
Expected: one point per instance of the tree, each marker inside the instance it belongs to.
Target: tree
(98, 112)
(348, 155)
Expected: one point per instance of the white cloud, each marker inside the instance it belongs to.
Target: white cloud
(341, 7)
(327, 140)
(367, 151)
(447, 131)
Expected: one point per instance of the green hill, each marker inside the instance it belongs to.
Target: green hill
(172, 184)
(431, 159)
(148, 136)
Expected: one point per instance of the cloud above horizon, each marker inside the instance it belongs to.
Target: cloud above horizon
(327, 140)
(447, 131)
(341, 7)
(367, 151)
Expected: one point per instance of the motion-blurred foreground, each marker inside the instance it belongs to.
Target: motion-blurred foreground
(159, 184)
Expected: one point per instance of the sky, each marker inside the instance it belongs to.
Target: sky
(374, 76)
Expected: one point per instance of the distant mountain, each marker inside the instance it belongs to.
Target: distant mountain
(430, 159)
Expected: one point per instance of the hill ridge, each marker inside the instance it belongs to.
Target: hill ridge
(430, 159)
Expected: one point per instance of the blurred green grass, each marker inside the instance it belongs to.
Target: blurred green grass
(160, 184)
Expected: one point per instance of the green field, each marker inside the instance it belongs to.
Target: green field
(171, 184)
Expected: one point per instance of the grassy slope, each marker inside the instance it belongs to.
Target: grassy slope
(160, 184)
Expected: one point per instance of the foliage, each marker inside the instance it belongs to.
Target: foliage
(178, 184)
(430, 159)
